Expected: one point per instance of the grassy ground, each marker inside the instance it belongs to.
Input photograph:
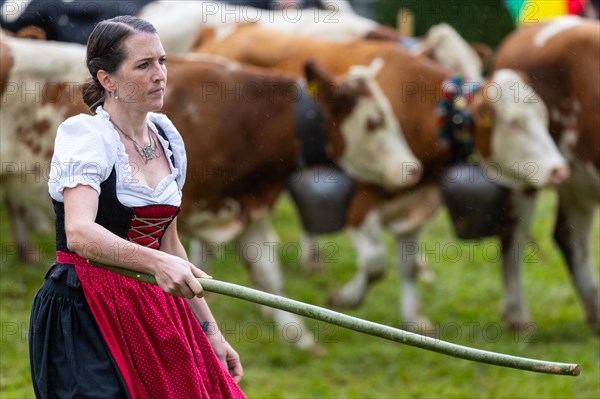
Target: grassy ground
(463, 301)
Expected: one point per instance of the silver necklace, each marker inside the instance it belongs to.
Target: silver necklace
(147, 152)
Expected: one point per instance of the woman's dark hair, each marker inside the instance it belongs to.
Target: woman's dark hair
(105, 51)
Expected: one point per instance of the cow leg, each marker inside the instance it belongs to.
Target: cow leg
(573, 234)
(23, 246)
(514, 238)
(38, 220)
(406, 223)
(372, 259)
(310, 255)
(257, 246)
(200, 254)
(424, 272)
(407, 249)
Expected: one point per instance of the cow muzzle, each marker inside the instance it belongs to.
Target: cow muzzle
(406, 175)
(559, 175)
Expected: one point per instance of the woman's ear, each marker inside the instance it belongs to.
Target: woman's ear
(105, 80)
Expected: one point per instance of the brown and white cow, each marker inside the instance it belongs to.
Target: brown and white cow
(39, 85)
(413, 86)
(562, 60)
(242, 142)
(238, 124)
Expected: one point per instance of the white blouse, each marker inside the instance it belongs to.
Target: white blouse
(88, 147)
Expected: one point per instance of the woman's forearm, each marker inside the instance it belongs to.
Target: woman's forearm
(94, 242)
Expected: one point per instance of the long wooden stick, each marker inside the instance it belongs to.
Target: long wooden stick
(368, 327)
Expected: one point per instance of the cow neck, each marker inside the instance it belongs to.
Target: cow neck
(310, 131)
(456, 128)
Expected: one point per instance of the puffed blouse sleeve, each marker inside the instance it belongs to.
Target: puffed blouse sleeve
(85, 152)
(176, 146)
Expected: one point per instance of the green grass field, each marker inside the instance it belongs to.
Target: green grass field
(464, 302)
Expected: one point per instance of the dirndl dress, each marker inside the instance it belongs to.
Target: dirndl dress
(97, 334)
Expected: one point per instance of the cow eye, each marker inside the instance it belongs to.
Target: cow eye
(374, 122)
(514, 124)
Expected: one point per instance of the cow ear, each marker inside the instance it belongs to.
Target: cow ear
(321, 84)
(424, 49)
(484, 52)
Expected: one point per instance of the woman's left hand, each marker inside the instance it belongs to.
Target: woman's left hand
(226, 354)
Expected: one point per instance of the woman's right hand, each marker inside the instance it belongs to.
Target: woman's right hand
(178, 277)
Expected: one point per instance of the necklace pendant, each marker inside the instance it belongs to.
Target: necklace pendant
(148, 152)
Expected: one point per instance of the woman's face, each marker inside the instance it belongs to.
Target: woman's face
(142, 76)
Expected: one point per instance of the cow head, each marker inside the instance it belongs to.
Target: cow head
(512, 136)
(365, 136)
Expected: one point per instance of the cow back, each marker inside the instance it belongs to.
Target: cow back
(237, 123)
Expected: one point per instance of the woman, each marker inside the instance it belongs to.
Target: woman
(116, 187)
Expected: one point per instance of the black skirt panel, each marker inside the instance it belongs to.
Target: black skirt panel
(68, 355)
